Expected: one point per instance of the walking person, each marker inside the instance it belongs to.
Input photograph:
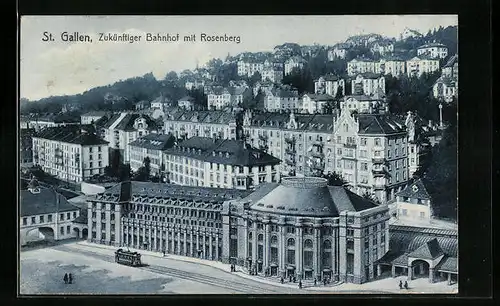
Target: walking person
(65, 278)
(70, 278)
(300, 284)
(406, 285)
(400, 284)
(315, 282)
(324, 281)
(290, 280)
(282, 280)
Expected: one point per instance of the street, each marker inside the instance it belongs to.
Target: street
(95, 272)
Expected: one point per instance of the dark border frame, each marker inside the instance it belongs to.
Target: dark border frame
(475, 123)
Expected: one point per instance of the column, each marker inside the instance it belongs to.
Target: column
(150, 231)
(197, 244)
(125, 234)
(449, 279)
(191, 235)
(185, 243)
(393, 271)
(410, 272)
(282, 249)
(107, 213)
(254, 244)
(178, 234)
(317, 253)
(217, 247)
(379, 270)
(210, 246)
(245, 248)
(118, 225)
(431, 275)
(267, 245)
(161, 239)
(298, 250)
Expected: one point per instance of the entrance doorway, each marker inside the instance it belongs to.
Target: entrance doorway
(274, 270)
(308, 274)
(290, 271)
(420, 268)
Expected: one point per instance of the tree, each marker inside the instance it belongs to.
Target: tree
(371, 197)
(147, 166)
(335, 179)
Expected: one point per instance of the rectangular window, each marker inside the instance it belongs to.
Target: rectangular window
(68, 229)
(25, 221)
(49, 217)
(422, 214)
(62, 230)
(61, 217)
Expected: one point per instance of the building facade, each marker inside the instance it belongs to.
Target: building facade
(330, 85)
(281, 99)
(220, 163)
(45, 215)
(419, 65)
(26, 147)
(151, 146)
(445, 89)
(220, 97)
(338, 51)
(392, 65)
(368, 84)
(303, 228)
(362, 65)
(123, 128)
(315, 103)
(91, 117)
(450, 69)
(186, 124)
(363, 104)
(293, 63)
(433, 50)
(70, 153)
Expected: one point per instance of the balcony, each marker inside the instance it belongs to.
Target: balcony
(290, 151)
(378, 160)
(290, 139)
(318, 143)
(317, 154)
(380, 172)
(263, 137)
(351, 145)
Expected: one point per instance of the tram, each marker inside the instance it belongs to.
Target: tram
(128, 258)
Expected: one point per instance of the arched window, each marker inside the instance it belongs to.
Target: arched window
(260, 238)
(250, 236)
(308, 244)
(327, 244)
(274, 240)
(290, 242)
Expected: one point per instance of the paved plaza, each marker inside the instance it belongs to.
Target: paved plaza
(94, 271)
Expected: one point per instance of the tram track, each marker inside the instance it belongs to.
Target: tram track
(234, 286)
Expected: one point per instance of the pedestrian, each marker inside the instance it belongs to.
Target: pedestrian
(70, 278)
(65, 278)
(282, 280)
(400, 284)
(315, 282)
(406, 285)
(300, 284)
(324, 281)
(290, 279)
(294, 279)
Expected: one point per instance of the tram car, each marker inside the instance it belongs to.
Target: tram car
(128, 258)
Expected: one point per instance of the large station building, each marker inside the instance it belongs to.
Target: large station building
(301, 227)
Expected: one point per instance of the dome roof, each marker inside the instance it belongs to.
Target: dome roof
(310, 196)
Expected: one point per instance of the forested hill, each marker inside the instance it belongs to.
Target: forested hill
(447, 36)
(125, 93)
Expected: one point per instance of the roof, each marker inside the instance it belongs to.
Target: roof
(320, 97)
(361, 59)
(451, 61)
(154, 141)
(428, 250)
(46, 201)
(371, 75)
(127, 191)
(422, 57)
(222, 151)
(330, 78)
(308, 196)
(361, 98)
(187, 98)
(448, 264)
(432, 45)
(379, 124)
(94, 114)
(71, 134)
(82, 218)
(448, 81)
(439, 232)
(408, 242)
(58, 118)
(127, 123)
(212, 117)
(415, 190)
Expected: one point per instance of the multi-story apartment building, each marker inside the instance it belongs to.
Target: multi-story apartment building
(303, 228)
(220, 97)
(305, 234)
(221, 163)
(433, 50)
(264, 87)
(186, 124)
(294, 62)
(372, 153)
(450, 69)
(338, 51)
(26, 147)
(152, 146)
(194, 84)
(419, 65)
(315, 103)
(393, 65)
(125, 127)
(382, 47)
(329, 84)
(302, 141)
(186, 102)
(45, 215)
(70, 153)
(272, 74)
(445, 88)
(362, 65)
(364, 104)
(161, 103)
(249, 67)
(280, 99)
(92, 117)
(368, 83)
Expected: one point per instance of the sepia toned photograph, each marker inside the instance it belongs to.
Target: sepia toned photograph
(165, 155)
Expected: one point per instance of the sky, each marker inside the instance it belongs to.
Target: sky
(50, 68)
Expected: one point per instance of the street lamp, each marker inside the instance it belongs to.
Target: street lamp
(440, 115)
